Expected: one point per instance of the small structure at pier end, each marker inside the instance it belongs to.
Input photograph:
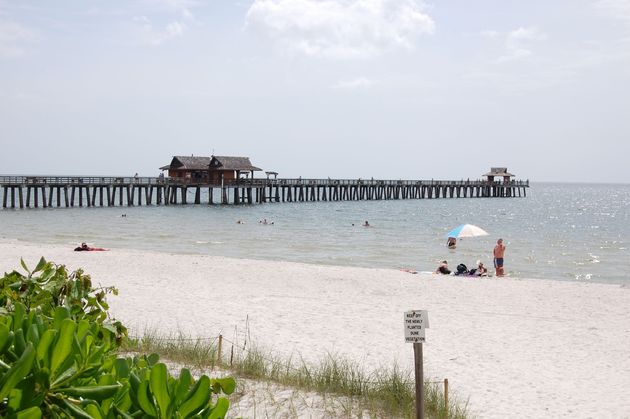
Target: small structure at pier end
(499, 172)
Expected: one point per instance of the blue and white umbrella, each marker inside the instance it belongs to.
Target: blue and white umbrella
(466, 230)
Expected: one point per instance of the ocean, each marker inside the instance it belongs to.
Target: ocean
(575, 232)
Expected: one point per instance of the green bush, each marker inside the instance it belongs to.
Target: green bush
(58, 357)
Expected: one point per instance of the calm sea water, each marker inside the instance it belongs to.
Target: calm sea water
(560, 231)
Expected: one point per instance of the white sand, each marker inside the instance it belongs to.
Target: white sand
(516, 348)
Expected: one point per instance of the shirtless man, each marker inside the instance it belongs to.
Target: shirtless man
(499, 250)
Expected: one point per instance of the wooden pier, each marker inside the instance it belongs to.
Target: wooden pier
(81, 191)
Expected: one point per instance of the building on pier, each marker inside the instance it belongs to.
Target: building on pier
(189, 167)
(499, 172)
(212, 169)
(230, 168)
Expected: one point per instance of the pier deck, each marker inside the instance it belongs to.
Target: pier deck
(80, 191)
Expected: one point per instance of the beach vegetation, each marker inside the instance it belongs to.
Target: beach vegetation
(383, 392)
(59, 357)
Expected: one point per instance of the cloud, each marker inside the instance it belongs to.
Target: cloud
(358, 83)
(490, 34)
(340, 28)
(13, 37)
(156, 37)
(518, 43)
(616, 9)
(183, 7)
(174, 18)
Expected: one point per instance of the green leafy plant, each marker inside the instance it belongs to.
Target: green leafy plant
(58, 357)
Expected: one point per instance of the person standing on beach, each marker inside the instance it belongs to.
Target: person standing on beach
(499, 251)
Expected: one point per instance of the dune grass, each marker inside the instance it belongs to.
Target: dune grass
(384, 392)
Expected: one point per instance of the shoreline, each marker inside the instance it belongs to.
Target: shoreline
(514, 346)
(71, 244)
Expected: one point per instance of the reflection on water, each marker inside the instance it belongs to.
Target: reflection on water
(572, 232)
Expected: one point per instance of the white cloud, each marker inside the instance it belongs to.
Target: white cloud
(358, 83)
(340, 28)
(156, 37)
(13, 38)
(616, 9)
(518, 43)
(490, 34)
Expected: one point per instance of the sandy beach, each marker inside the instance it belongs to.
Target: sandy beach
(512, 347)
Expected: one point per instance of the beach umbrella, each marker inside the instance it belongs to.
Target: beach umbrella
(466, 230)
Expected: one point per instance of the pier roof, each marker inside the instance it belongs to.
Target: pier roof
(232, 163)
(188, 163)
(498, 171)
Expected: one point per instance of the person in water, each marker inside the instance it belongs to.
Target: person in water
(85, 248)
(366, 224)
(451, 242)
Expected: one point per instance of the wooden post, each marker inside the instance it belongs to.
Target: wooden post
(232, 355)
(419, 372)
(446, 396)
(219, 349)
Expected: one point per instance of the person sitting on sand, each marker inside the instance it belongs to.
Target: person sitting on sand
(443, 268)
(481, 270)
(85, 248)
(462, 269)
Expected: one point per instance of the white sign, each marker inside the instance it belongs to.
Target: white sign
(416, 321)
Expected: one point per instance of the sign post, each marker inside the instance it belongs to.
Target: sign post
(416, 321)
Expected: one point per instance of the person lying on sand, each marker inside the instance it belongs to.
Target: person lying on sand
(443, 268)
(85, 248)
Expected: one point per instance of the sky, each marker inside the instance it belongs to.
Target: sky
(390, 89)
